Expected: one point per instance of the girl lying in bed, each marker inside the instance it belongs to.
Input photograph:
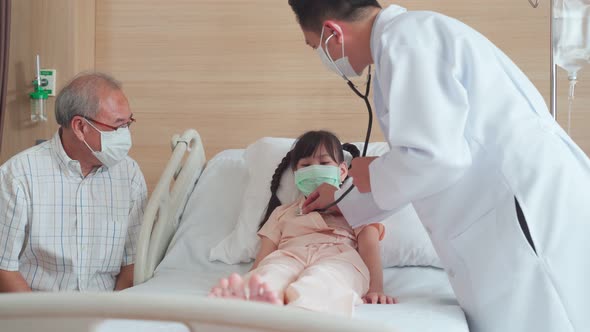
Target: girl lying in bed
(314, 261)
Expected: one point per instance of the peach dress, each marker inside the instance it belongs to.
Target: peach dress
(316, 266)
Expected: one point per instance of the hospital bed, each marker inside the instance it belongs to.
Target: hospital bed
(194, 206)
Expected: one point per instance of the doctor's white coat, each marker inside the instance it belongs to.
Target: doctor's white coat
(469, 134)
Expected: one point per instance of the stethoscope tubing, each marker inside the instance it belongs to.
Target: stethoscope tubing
(365, 97)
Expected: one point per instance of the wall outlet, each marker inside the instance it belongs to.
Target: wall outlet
(48, 80)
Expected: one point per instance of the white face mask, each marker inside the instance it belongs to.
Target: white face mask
(342, 66)
(115, 145)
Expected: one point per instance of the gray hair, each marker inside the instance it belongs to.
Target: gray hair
(81, 96)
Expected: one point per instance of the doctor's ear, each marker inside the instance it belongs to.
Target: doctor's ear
(331, 27)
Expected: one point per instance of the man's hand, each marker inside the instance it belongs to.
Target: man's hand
(320, 198)
(12, 281)
(125, 278)
(359, 172)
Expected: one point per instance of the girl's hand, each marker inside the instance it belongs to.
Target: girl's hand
(378, 298)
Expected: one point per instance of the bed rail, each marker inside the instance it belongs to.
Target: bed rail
(167, 202)
(66, 312)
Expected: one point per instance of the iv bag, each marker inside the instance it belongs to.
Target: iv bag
(571, 44)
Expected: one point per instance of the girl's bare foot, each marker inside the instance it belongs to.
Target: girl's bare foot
(234, 287)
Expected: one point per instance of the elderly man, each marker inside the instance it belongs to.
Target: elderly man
(71, 208)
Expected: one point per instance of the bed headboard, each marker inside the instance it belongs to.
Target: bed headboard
(167, 202)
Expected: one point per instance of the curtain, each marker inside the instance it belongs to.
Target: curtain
(4, 47)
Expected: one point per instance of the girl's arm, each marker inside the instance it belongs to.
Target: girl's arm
(368, 247)
(266, 248)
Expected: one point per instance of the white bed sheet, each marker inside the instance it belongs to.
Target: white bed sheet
(426, 300)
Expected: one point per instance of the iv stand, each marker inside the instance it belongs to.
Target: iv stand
(553, 70)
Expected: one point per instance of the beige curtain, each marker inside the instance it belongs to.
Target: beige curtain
(4, 47)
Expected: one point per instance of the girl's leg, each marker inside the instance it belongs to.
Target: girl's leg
(274, 274)
(329, 285)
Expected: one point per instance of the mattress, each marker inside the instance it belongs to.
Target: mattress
(426, 300)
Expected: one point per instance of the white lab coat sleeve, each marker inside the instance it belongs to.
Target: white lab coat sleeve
(427, 108)
(360, 209)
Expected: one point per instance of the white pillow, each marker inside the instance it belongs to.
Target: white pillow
(210, 213)
(405, 243)
(262, 158)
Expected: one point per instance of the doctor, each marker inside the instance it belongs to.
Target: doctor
(503, 192)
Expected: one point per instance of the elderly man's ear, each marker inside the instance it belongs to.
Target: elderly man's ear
(79, 127)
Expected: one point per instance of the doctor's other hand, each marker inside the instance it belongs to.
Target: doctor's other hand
(320, 198)
(359, 171)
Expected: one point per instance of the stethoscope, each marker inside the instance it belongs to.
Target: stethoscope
(364, 97)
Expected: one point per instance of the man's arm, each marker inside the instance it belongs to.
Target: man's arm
(125, 278)
(13, 221)
(138, 203)
(12, 282)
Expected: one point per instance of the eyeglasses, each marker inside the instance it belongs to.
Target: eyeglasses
(125, 125)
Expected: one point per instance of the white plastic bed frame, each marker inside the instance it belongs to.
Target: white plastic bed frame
(167, 202)
(83, 311)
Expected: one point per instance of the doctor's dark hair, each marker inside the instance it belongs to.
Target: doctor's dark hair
(305, 146)
(311, 14)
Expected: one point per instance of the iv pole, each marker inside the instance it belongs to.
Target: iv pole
(553, 68)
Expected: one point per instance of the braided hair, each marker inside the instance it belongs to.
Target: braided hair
(305, 146)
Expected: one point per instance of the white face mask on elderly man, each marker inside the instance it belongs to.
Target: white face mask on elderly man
(115, 145)
(342, 66)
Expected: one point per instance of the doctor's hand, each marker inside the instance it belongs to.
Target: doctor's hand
(320, 198)
(359, 172)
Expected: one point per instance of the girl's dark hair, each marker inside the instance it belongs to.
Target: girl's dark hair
(311, 14)
(305, 146)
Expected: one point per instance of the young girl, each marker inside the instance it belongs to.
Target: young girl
(314, 261)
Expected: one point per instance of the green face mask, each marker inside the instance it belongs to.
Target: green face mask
(308, 179)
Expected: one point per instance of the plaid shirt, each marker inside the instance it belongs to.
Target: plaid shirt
(64, 231)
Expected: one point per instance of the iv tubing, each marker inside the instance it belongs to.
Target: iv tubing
(553, 69)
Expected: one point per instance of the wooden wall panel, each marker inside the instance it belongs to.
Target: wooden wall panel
(234, 70)
(62, 32)
(238, 70)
